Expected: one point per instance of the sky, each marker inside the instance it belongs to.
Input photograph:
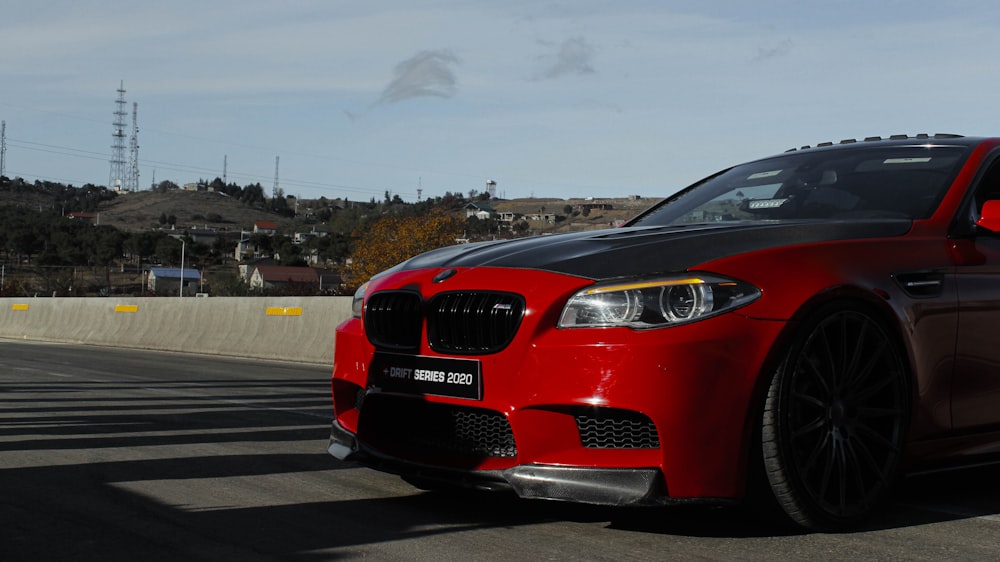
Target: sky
(548, 98)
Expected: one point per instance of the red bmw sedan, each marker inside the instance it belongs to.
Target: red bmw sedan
(814, 324)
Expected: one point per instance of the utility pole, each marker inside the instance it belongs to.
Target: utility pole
(180, 292)
(3, 148)
(274, 190)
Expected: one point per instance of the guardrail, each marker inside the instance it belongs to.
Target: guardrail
(283, 328)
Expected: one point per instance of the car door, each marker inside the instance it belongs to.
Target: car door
(976, 385)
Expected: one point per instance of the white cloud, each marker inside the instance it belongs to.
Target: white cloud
(426, 74)
(573, 57)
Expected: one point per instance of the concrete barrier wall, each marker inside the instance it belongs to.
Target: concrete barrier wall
(283, 328)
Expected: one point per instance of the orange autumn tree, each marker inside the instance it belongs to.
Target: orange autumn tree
(393, 239)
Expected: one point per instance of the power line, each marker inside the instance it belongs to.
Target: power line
(291, 184)
(188, 169)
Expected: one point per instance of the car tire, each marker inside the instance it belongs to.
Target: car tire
(835, 418)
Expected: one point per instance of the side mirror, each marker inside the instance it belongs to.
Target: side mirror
(990, 216)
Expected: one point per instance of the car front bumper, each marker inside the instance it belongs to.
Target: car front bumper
(593, 485)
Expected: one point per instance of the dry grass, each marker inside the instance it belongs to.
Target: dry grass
(192, 209)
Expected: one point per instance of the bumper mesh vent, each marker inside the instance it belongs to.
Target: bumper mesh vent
(481, 432)
(616, 429)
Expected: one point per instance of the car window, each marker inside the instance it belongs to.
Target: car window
(892, 182)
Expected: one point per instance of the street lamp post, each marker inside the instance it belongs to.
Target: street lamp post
(180, 291)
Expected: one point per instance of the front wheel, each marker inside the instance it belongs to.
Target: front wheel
(835, 419)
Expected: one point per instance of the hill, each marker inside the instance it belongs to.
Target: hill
(192, 209)
(578, 213)
(144, 210)
(201, 209)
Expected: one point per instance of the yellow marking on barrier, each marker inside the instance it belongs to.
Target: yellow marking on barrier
(19, 307)
(284, 311)
(126, 308)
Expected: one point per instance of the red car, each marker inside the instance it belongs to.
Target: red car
(817, 322)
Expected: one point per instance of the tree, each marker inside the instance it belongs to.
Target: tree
(334, 246)
(139, 245)
(289, 253)
(263, 242)
(224, 247)
(169, 250)
(253, 194)
(478, 229)
(165, 186)
(393, 239)
(229, 284)
(104, 245)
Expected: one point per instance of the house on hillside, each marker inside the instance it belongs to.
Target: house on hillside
(329, 280)
(206, 236)
(282, 277)
(479, 210)
(165, 281)
(592, 205)
(247, 246)
(246, 268)
(543, 217)
(302, 237)
(88, 218)
(507, 216)
(245, 249)
(265, 227)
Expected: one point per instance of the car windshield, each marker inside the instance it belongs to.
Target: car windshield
(903, 181)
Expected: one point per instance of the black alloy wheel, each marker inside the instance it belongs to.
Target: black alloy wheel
(835, 420)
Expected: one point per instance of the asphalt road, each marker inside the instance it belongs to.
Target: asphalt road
(111, 454)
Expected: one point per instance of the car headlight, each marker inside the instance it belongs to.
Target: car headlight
(358, 303)
(654, 303)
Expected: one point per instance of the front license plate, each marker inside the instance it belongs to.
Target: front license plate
(420, 374)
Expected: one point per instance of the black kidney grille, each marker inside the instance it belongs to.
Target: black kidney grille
(616, 429)
(472, 323)
(393, 319)
(462, 323)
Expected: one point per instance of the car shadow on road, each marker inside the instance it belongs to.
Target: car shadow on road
(110, 522)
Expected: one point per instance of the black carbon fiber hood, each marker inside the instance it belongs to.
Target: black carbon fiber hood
(633, 251)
